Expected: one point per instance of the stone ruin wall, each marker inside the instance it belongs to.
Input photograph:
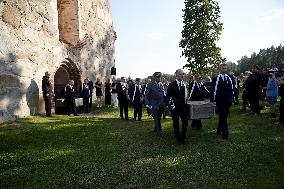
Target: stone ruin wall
(39, 36)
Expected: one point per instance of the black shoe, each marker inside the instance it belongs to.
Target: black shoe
(225, 137)
(76, 115)
(252, 113)
(160, 134)
(121, 118)
(184, 141)
(219, 132)
(199, 127)
(273, 115)
(126, 118)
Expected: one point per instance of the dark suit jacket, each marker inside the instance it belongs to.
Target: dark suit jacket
(196, 91)
(122, 92)
(46, 86)
(223, 91)
(69, 93)
(85, 91)
(135, 93)
(154, 95)
(178, 98)
(91, 86)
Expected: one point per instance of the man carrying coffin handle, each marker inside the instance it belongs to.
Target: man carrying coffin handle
(176, 99)
(70, 98)
(197, 92)
(222, 94)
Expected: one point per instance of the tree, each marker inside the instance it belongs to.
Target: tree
(200, 33)
(233, 67)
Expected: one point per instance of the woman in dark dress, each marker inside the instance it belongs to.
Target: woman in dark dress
(99, 92)
(107, 93)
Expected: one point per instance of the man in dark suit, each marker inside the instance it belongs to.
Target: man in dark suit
(46, 91)
(122, 95)
(85, 94)
(136, 98)
(222, 94)
(70, 98)
(154, 99)
(176, 95)
(197, 92)
(91, 88)
(254, 90)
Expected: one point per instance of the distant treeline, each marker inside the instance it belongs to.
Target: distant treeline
(264, 59)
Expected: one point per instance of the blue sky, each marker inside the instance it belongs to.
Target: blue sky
(149, 32)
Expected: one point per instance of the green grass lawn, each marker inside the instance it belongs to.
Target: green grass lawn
(107, 152)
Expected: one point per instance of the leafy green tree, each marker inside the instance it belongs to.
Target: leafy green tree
(264, 59)
(244, 64)
(233, 67)
(200, 33)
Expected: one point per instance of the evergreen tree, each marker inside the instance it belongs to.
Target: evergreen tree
(200, 33)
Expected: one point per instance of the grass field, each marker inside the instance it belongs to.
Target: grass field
(103, 151)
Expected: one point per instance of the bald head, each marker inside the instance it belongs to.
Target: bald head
(179, 74)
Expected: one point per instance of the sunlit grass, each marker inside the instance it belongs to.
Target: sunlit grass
(103, 151)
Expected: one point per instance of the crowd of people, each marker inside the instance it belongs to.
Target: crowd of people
(162, 97)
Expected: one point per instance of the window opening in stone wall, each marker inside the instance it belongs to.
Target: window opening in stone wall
(68, 22)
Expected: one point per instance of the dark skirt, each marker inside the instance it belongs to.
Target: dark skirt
(108, 99)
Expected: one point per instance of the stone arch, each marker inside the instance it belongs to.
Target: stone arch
(67, 70)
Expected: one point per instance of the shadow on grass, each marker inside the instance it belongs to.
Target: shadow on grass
(106, 152)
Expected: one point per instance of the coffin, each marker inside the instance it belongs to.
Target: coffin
(201, 109)
(60, 102)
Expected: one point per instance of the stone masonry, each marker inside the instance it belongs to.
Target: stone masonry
(71, 39)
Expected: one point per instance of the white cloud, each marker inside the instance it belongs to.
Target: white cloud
(269, 15)
(154, 35)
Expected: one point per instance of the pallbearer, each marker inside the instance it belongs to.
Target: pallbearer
(222, 94)
(176, 94)
(196, 92)
(122, 92)
(137, 99)
(85, 94)
(70, 98)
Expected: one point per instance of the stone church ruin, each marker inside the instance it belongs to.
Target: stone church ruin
(71, 39)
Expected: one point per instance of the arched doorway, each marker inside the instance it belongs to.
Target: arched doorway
(67, 70)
